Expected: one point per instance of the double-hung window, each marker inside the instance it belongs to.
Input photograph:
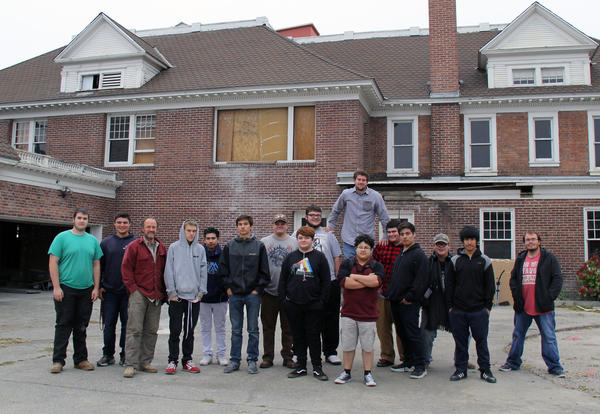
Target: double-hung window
(403, 146)
(543, 140)
(30, 135)
(480, 145)
(130, 140)
(523, 77)
(497, 232)
(553, 76)
(594, 141)
(265, 135)
(591, 224)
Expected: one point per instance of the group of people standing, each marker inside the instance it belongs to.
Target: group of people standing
(297, 278)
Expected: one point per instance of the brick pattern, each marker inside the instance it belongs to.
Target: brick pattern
(443, 46)
(447, 157)
(432, 217)
(513, 145)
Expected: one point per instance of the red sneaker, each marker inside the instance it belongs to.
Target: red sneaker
(190, 367)
(171, 368)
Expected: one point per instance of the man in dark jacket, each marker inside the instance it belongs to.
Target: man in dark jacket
(112, 291)
(244, 272)
(143, 276)
(535, 282)
(408, 283)
(434, 314)
(470, 291)
(213, 306)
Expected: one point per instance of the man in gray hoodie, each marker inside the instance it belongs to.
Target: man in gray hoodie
(185, 281)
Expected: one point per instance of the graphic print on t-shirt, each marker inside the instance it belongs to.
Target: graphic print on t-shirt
(530, 270)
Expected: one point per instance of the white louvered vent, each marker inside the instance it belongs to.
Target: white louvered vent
(111, 80)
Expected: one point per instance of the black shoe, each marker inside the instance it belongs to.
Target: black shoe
(418, 373)
(105, 361)
(319, 374)
(298, 372)
(487, 376)
(458, 375)
(384, 363)
(122, 359)
(558, 373)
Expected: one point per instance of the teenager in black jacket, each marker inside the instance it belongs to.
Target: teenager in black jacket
(470, 294)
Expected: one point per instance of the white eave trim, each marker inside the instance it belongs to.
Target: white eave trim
(366, 89)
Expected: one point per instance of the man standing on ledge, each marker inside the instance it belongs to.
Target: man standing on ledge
(143, 268)
(360, 204)
(535, 282)
(74, 267)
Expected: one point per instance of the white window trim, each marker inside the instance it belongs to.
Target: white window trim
(290, 134)
(399, 215)
(132, 131)
(537, 77)
(471, 171)
(550, 162)
(512, 227)
(591, 138)
(31, 137)
(406, 172)
(585, 229)
(101, 74)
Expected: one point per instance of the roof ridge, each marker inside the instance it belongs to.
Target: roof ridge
(324, 59)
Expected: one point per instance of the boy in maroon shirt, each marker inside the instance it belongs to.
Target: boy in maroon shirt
(361, 278)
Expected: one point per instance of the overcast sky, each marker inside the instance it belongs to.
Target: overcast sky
(30, 28)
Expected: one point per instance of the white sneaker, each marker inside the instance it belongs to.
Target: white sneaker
(222, 361)
(206, 360)
(334, 360)
(343, 378)
(369, 381)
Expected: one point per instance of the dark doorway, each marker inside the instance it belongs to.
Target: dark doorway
(24, 253)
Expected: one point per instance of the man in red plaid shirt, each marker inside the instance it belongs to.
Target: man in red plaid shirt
(385, 253)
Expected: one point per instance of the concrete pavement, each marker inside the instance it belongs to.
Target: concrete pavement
(26, 333)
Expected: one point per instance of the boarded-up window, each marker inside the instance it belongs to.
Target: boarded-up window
(261, 135)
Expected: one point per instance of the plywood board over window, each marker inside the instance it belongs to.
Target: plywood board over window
(252, 135)
(304, 133)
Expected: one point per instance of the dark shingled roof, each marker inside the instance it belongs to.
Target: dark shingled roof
(245, 57)
(259, 57)
(400, 66)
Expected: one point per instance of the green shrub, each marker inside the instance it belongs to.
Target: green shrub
(588, 278)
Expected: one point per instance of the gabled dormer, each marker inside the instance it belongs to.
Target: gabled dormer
(538, 49)
(105, 55)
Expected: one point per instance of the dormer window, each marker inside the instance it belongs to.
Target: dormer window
(523, 76)
(551, 76)
(105, 80)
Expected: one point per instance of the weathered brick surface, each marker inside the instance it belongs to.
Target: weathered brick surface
(443, 46)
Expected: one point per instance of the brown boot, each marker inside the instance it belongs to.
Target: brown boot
(56, 367)
(147, 368)
(85, 366)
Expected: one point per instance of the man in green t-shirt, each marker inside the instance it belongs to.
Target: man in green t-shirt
(75, 272)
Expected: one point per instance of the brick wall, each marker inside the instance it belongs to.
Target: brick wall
(77, 138)
(564, 236)
(443, 46)
(447, 157)
(513, 145)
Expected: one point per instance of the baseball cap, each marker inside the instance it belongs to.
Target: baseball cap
(280, 217)
(441, 238)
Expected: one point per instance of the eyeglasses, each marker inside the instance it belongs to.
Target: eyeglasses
(313, 215)
(441, 244)
(530, 240)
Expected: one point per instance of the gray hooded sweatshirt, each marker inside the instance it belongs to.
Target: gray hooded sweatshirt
(185, 271)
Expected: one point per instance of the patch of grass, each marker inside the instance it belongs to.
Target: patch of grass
(208, 400)
(7, 363)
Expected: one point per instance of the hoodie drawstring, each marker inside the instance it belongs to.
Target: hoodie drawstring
(188, 320)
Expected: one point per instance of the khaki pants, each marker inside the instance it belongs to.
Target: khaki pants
(385, 328)
(143, 318)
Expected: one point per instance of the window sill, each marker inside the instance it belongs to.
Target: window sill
(544, 163)
(400, 173)
(129, 166)
(293, 163)
(482, 173)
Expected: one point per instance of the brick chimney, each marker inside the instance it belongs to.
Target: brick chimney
(446, 134)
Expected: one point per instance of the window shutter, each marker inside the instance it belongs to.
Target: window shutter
(111, 80)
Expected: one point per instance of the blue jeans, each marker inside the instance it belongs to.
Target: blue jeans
(428, 336)
(349, 250)
(114, 307)
(236, 316)
(546, 325)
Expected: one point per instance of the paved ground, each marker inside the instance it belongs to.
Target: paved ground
(26, 332)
